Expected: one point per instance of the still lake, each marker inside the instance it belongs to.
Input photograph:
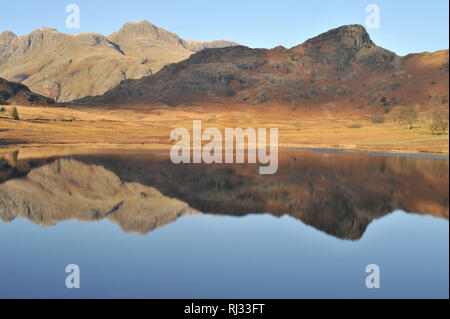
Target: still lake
(139, 226)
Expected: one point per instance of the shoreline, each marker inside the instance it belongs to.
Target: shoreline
(372, 153)
(85, 148)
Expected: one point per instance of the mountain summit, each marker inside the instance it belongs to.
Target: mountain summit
(341, 45)
(351, 37)
(144, 35)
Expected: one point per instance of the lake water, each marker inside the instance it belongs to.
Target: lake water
(139, 226)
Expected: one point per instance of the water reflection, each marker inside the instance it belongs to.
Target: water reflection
(68, 189)
(339, 194)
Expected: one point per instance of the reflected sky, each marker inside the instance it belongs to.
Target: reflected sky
(256, 256)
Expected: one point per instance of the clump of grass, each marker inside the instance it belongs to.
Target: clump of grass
(355, 125)
(2, 109)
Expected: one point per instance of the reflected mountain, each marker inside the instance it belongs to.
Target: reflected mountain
(339, 194)
(67, 189)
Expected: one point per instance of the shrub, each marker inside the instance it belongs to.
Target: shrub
(14, 114)
(2, 109)
(378, 119)
(355, 125)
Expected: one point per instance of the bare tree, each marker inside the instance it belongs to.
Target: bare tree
(407, 116)
(439, 121)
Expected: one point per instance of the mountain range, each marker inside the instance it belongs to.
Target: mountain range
(67, 67)
(339, 69)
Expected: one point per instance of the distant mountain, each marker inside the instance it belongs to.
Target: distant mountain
(66, 67)
(340, 69)
(141, 38)
(198, 46)
(19, 94)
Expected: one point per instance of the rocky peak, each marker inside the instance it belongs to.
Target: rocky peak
(7, 36)
(46, 29)
(144, 29)
(143, 34)
(42, 33)
(348, 37)
(38, 38)
(337, 47)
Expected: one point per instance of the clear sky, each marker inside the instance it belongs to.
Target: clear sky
(405, 25)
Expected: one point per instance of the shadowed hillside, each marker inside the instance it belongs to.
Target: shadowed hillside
(16, 93)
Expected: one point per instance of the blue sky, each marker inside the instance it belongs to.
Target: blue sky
(405, 26)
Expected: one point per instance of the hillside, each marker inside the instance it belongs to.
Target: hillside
(67, 67)
(340, 70)
(16, 93)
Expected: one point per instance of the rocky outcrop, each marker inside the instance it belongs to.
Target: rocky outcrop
(339, 47)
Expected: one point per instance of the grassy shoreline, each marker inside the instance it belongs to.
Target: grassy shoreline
(150, 129)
